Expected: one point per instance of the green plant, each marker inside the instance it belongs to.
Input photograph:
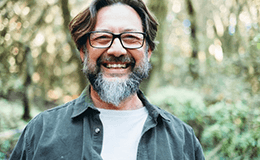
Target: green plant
(184, 104)
(233, 129)
(226, 130)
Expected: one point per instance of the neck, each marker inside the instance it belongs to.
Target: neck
(131, 103)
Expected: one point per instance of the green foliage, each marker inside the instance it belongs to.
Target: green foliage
(226, 130)
(11, 125)
(13, 83)
(7, 145)
(235, 127)
(2, 155)
(36, 50)
(183, 103)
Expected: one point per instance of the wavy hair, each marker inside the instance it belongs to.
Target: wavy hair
(85, 21)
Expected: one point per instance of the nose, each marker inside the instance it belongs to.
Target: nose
(116, 48)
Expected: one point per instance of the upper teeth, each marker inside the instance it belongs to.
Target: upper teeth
(116, 65)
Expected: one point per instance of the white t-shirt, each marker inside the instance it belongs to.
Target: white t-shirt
(122, 132)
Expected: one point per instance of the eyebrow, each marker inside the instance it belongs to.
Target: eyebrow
(125, 30)
(128, 30)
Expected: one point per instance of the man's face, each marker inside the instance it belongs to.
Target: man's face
(116, 68)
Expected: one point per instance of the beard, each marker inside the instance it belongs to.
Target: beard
(116, 90)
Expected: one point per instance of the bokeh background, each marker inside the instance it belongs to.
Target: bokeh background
(206, 68)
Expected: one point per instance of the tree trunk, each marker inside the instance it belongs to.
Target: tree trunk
(27, 82)
(156, 79)
(75, 53)
(26, 105)
(194, 62)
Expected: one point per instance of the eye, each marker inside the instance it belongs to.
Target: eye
(132, 37)
(100, 36)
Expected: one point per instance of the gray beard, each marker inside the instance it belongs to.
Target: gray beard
(116, 91)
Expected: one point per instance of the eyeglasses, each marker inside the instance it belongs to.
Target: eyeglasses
(129, 40)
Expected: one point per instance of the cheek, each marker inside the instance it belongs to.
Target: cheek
(139, 56)
(94, 54)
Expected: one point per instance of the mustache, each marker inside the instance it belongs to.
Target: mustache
(110, 58)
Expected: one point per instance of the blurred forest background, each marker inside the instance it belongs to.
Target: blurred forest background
(206, 68)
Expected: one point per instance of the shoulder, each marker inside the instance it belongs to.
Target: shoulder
(49, 119)
(177, 128)
(54, 113)
(184, 132)
(47, 129)
(174, 121)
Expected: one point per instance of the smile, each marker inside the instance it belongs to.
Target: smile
(116, 66)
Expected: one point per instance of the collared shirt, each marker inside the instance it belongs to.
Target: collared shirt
(74, 131)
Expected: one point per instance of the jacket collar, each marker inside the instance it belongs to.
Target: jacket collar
(153, 110)
(84, 103)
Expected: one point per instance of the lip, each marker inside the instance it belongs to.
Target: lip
(116, 69)
(116, 65)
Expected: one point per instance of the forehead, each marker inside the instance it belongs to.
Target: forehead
(118, 18)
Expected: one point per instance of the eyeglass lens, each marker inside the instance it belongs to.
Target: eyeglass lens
(127, 39)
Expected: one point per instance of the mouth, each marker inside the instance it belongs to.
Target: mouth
(116, 65)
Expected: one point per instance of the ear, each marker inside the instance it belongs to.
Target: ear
(82, 54)
(149, 53)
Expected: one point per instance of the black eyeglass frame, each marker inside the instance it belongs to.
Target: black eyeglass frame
(114, 37)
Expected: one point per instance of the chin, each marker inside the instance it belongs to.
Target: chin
(115, 78)
(115, 75)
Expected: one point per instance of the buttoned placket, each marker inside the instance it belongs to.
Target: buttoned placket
(92, 133)
(92, 125)
(97, 131)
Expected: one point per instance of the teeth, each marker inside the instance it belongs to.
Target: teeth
(116, 66)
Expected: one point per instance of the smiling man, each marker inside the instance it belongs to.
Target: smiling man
(116, 58)
(111, 120)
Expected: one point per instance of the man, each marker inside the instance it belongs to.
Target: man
(111, 120)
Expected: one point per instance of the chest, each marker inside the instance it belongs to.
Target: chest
(84, 140)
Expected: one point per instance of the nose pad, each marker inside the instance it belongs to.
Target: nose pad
(116, 48)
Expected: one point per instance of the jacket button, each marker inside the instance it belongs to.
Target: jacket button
(97, 130)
